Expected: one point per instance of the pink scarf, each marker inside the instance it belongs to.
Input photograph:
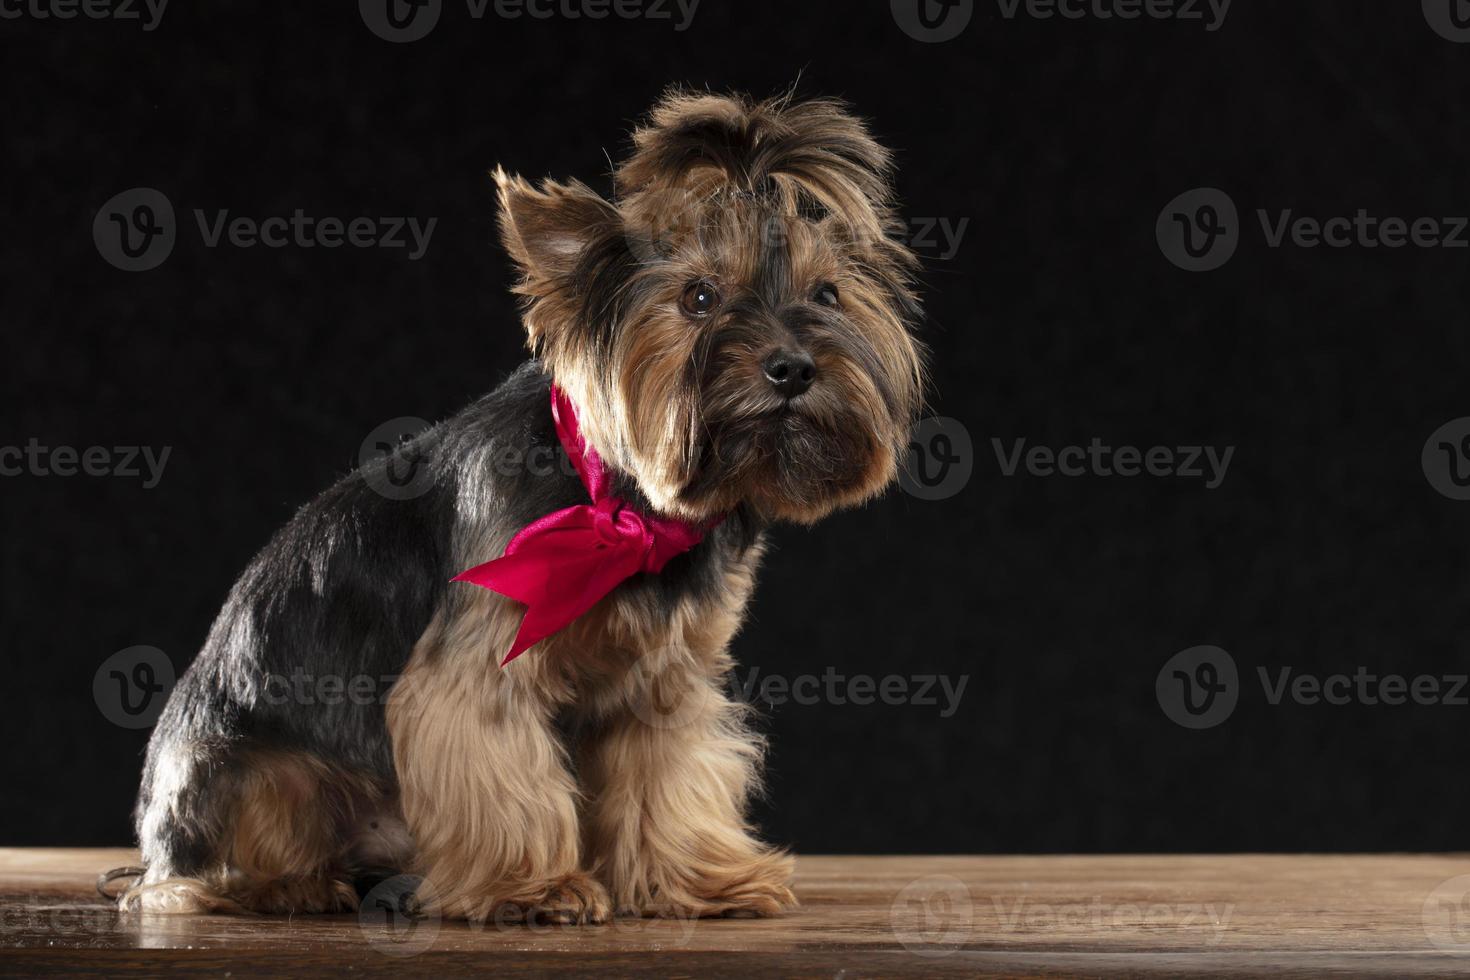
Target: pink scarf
(560, 565)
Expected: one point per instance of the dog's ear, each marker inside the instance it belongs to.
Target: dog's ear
(546, 229)
(557, 235)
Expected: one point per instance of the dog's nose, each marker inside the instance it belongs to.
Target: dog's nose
(790, 372)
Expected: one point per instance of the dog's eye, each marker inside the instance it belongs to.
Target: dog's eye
(700, 298)
(827, 295)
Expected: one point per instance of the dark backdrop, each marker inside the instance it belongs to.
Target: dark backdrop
(1058, 319)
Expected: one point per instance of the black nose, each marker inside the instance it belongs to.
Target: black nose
(790, 372)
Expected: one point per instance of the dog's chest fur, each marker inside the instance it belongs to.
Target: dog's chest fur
(502, 468)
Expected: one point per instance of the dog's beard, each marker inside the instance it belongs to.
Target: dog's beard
(792, 461)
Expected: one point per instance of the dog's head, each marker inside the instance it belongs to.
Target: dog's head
(736, 327)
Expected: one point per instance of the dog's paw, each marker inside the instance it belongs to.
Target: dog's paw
(577, 899)
(574, 899)
(759, 889)
(176, 896)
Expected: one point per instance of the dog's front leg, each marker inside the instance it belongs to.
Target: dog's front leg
(486, 792)
(669, 774)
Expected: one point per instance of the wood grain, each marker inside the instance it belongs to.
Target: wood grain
(1239, 915)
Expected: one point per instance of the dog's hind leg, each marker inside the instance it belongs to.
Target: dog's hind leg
(180, 822)
(267, 833)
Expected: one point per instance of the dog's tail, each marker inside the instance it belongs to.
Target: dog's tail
(108, 877)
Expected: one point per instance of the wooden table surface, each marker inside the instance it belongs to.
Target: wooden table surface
(1245, 915)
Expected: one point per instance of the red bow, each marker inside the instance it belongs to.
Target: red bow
(560, 565)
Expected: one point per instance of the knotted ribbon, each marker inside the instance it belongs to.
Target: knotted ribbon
(560, 565)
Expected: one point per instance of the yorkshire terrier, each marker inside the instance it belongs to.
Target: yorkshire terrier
(727, 343)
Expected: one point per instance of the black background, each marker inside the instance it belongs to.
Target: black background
(1057, 321)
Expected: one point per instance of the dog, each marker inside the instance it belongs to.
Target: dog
(727, 343)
